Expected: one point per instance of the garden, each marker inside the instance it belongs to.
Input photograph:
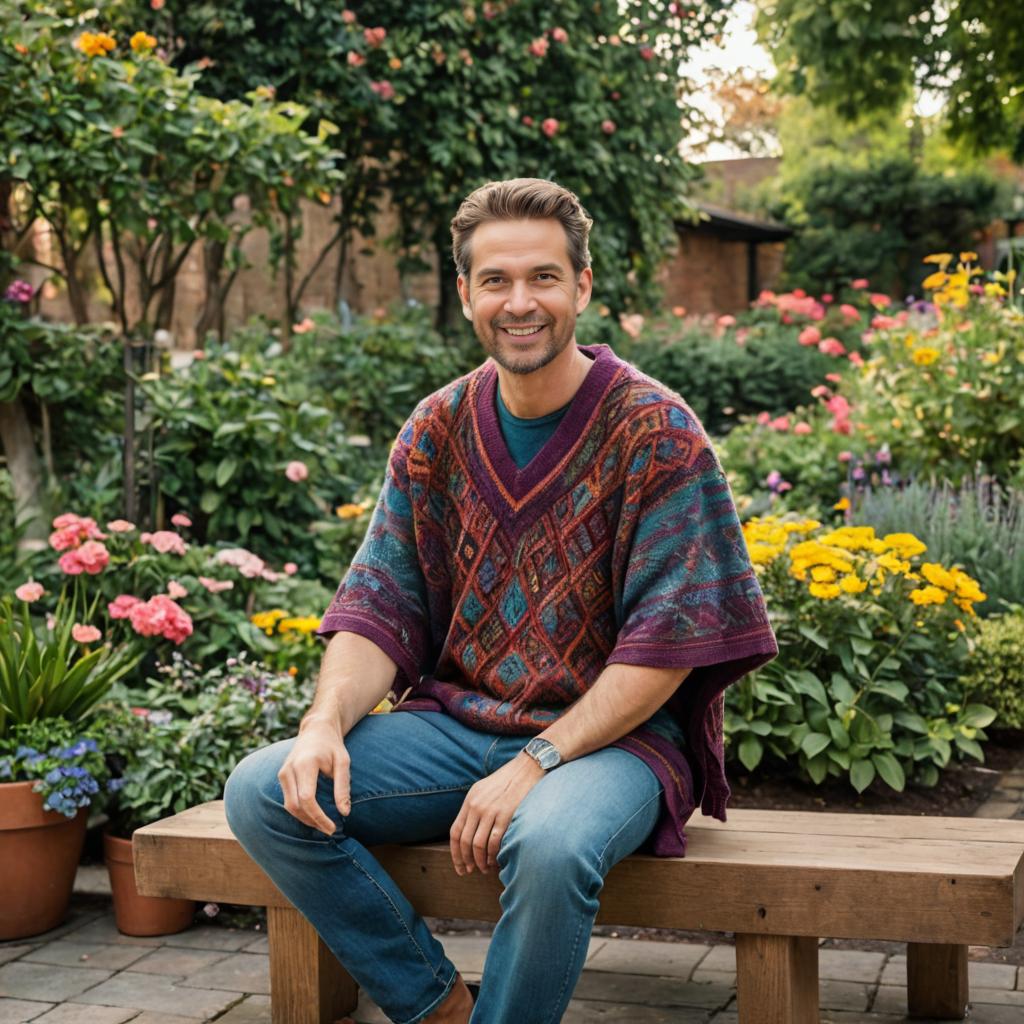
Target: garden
(174, 521)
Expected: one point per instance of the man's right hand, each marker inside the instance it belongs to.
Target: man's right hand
(319, 748)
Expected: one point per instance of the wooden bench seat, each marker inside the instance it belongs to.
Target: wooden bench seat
(778, 879)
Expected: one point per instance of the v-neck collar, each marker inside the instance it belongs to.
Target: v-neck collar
(508, 489)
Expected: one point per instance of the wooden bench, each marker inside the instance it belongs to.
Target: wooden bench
(779, 880)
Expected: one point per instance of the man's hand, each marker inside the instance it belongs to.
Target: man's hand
(486, 812)
(320, 747)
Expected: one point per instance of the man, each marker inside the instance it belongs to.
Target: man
(555, 550)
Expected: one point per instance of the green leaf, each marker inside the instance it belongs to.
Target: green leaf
(817, 768)
(210, 501)
(891, 688)
(751, 750)
(977, 715)
(226, 470)
(814, 743)
(842, 689)
(813, 635)
(890, 769)
(970, 747)
(808, 683)
(912, 721)
(862, 773)
(840, 736)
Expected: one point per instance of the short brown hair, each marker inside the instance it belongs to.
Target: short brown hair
(522, 199)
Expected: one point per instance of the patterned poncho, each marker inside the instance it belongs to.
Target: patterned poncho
(501, 593)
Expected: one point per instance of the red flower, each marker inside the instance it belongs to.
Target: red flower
(608, 126)
(539, 47)
(386, 91)
(647, 53)
(374, 36)
(549, 126)
(559, 35)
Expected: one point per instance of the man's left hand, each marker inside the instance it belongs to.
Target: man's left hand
(486, 812)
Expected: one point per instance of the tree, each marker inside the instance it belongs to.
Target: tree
(433, 99)
(857, 55)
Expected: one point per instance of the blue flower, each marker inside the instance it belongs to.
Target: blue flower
(53, 776)
(5, 768)
(23, 752)
(114, 785)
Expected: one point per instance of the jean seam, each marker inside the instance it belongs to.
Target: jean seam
(409, 792)
(449, 984)
(568, 967)
(487, 756)
(373, 881)
(618, 831)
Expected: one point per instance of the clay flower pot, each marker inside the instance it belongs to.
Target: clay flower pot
(39, 851)
(135, 914)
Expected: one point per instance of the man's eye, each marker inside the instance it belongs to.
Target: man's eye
(491, 279)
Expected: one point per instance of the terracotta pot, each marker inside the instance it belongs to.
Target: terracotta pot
(39, 851)
(135, 914)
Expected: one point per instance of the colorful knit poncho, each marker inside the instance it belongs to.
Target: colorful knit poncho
(501, 593)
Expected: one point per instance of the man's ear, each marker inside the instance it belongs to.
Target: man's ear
(584, 289)
(463, 285)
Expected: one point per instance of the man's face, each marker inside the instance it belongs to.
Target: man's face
(521, 294)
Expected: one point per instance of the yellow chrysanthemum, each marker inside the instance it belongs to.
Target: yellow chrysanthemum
(763, 554)
(925, 356)
(905, 545)
(942, 258)
(823, 574)
(936, 280)
(142, 41)
(994, 290)
(349, 511)
(852, 585)
(966, 257)
(928, 595)
(266, 620)
(96, 44)
(824, 591)
(892, 563)
(935, 574)
(305, 624)
(842, 505)
(850, 538)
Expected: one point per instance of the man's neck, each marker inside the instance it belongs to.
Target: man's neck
(532, 395)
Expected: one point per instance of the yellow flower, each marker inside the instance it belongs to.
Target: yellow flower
(842, 505)
(892, 563)
(928, 595)
(966, 257)
(142, 41)
(305, 624)
(268, 382)
(96, 44)
(763, 554)
(934, 573)
(823, 574)
(925, 356)
(904, 544)
(852, 538)
(952, 709)
(995, 290)
(292, 671)
(349, 511)
(942, 258)
(936, 280)
(824, 591)
(266, 620)
(852, 585)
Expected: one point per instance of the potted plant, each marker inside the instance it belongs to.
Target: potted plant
(51, 763)
(179, 739)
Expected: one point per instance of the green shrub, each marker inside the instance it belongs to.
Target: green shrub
(995, 670)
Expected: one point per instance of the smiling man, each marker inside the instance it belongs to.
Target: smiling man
(556, 572)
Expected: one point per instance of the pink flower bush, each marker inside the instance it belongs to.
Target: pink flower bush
(85, 634)
(296, 471)
(92, 558)
(160, 616)
(249, 565)
(29, 592)
(859, 284)
(19, 291)
(348, 16)
(840, 409)
(122, 605)
(120, 526)
(70, 530)
(646, 53)
(216, 586)
(180, 519)
(176, 590)
(290, 568)
(851, 313)
(560, 35)
(384, 89)
(355, 59)
(166, 542)
(375, 36)
(832, 347)
(878, 300)
(803, 428)
(726, 321)
(856, 358)
(539, 47)
(845, 456)
(549, 126)
(780, 423)
(608, 126)
(764, 418)
(304, 326)
(809, 336)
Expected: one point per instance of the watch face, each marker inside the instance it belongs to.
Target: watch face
(545, 753)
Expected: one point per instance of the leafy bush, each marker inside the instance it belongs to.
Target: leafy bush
(872, 644)
(979, 526)
(995, 669)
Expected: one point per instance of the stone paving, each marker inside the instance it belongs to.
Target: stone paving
(86, 972)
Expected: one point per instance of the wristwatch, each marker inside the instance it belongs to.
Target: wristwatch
(544, 753)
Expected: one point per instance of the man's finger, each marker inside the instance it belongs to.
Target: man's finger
(308, 803)
(480, 842)
(454, 838)
(497, 833)
(469, 828)
(340, 772)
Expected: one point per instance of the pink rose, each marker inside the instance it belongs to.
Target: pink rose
(845, 456)
(216, 586)
(859, 284)
(850, 312)
(290, 568)
(826, 298)
(647, 53)
(764, 418)
(180, 519)
(296, 471)
(559, 35)
(856, 358)
(741, 335)
(375, 36)
(348, 16)
(539, 47)
(30, 591)
(121, 605)
(249, 565)
(120, 526)
(809, 336)
(528, 121)
(879, 300)
(70, 530)
(355, 59)
(549, 126)
(304, 326)
(92, 558)
(832, 347)
(85, 634)
(166, 542)
(803, 428)
(726, 321)
(160, 616)
(834, 377)
(821, 391)
(384, 89)
(780, 423)
(199, 354)
(608, 126)
(176, 590)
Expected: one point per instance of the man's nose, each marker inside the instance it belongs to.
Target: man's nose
(520, 301)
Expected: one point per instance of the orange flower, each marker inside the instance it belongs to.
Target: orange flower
(142, 41)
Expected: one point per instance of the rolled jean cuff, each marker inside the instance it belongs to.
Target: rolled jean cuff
(423, 1014)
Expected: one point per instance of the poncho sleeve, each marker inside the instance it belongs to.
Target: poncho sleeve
(689, 597)
(383, 595)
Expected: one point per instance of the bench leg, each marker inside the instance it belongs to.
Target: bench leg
(307, 984)
(777, 979)
(936, 980)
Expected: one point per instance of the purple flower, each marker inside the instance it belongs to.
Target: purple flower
(773, 479)
(886, 478)
(883, 456)
(19, 291)
(858, 473)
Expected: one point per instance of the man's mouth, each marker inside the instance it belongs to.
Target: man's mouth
(523, 332)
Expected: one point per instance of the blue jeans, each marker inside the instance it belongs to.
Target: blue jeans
(410, 772)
